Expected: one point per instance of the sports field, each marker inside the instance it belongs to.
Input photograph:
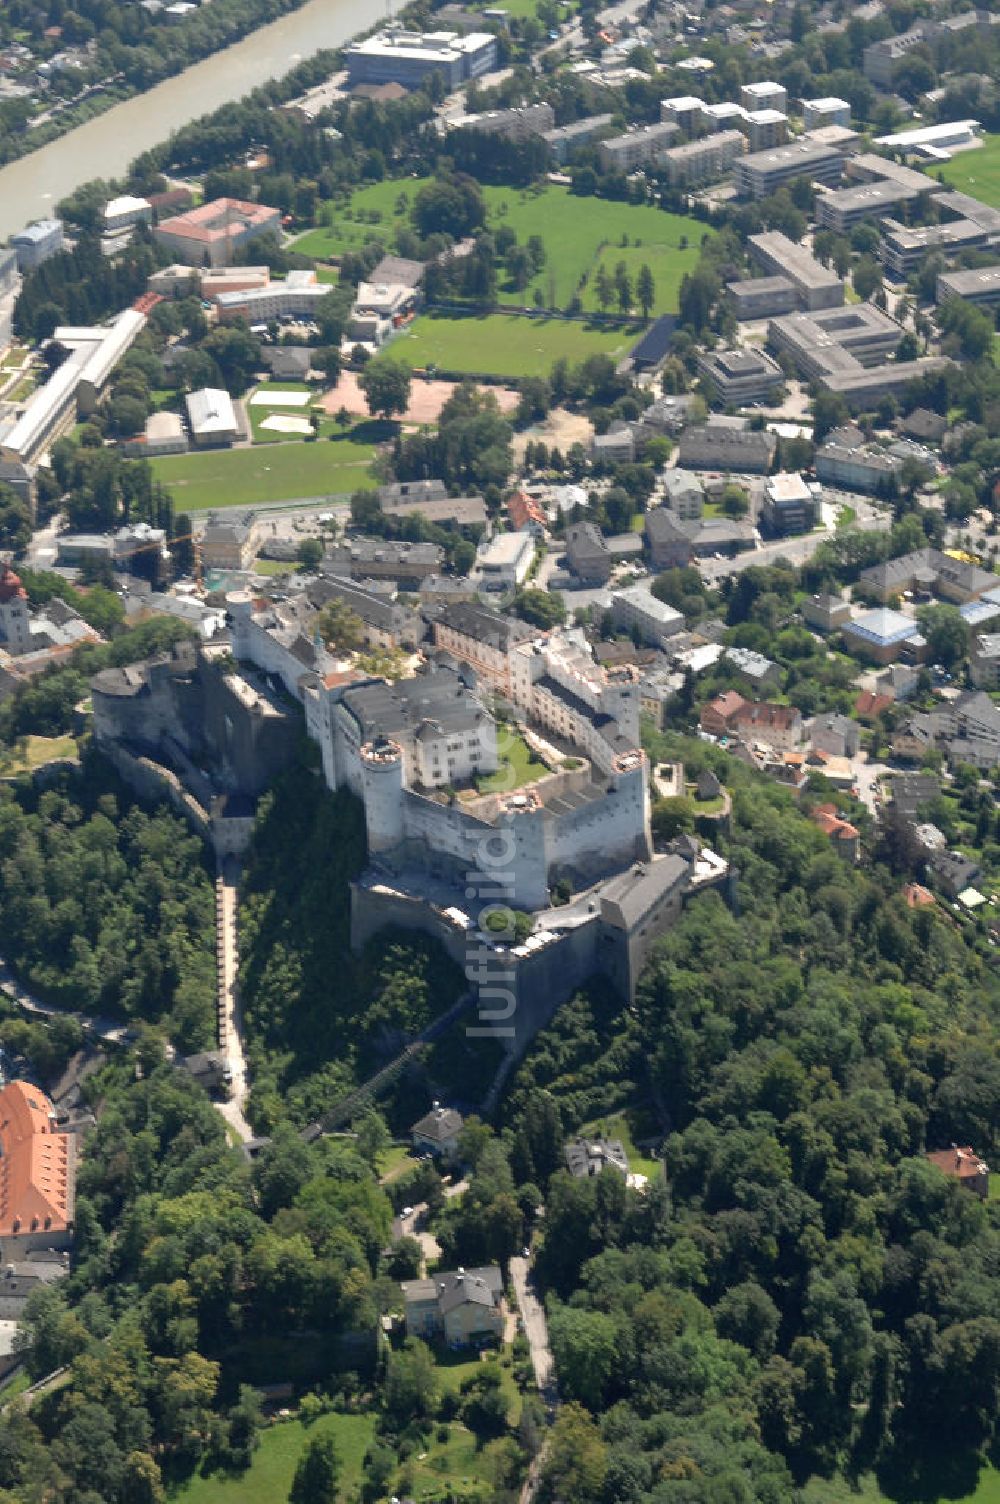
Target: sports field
(506, 345)
(267, 472)
(976, 171)
(579, 235)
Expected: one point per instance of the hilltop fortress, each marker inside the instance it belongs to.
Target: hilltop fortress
(447, 843)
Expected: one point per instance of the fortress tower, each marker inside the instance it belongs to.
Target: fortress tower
(382, 774)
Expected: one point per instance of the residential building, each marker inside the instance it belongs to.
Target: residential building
(762, 173)
(964, 1165)
(880, 635)
(836, 734)
(825, 612)
(637, 610)
(674, 542)
(684, 494)
(636, 148)
(398, 56)
(229, 541)
(37, 1185)
(845, 838)
(762, 297)
(592, 1156)
(902, 248)
(684, 110)
(817, 285)
(715, 446)
(526, 512)
(430, 499)
(928, 570)
(567, 139)
(706, 160)
(766, 129)
(518, 124)
(759, 670)
(481, 637)
(826, 111)
(212, 234)
(844, 459)
(741, 376)
(464, 1307)
(954, 871)
(789, 506)
(438, 1132)
(984, 660)
(840, 209)
(361, 558)
(979, 285)
(37, 242)
(764, 96)
(502, 562)
(880, 58)
(15, 614)
(211, 418)
(384, 622)
(10, 287)
(587, 553)
(616, 447)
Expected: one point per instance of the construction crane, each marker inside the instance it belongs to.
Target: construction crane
(192, 538)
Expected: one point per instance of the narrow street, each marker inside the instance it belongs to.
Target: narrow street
(535, 1329)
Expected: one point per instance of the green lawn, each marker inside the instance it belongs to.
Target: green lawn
(372, 213)
(840, 1491)
(269, 1478)
(35, 751)
(618, 1126)
(268, 473)
(516, 767)
(506, 345)
(257, 414)
(274, 566)
(396, 1159)
(976, 171)
(581, 234)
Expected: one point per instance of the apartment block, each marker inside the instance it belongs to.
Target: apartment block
(764, 96)
(980, 285)
(762, 173)
(762, 298)
(703, 161)
(765, 129)
(902, 247)
(636, 148)
(684, 111)
(826, 111)
(566, 139)
(737, 377)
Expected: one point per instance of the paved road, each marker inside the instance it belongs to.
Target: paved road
(797, 550)
(102, 1028)
(229, 1017)
(535, 1329)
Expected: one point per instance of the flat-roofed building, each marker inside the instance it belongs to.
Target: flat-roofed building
(564, 140)
(980, 285)
(703, 161)
(817, 285)
(834, 340)
(789, 506)
(518, 124)
(764, 96)
(826, 111)
(862, 388)
(903, 247)
(843, 208)
(684, 110)
(740, 376)
(717, 445)
(724, 116)
(636, 148)
(948, 135)
(37, 242)
(503, 563)
(125, 212)
(766, 128)
(762, 298)
(397, 56)
(762, 173)
(637, 610)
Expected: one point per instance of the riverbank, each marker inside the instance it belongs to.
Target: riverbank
(106, 145)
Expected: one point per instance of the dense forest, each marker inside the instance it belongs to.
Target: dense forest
(106, 907)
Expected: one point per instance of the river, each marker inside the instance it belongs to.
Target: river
(103, 148)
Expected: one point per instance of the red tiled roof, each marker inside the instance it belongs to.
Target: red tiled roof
(869, 704)
(36, 1164)
(963, 1164)
(10, 586)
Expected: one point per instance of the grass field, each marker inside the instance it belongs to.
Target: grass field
(505, 344)
(257, 414)
(516, 767)
(270, 1476)
(976, 172)
(986, 1490)
(270, 472)
(579, 234)
(35, 751)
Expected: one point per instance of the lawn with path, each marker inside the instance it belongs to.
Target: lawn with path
(515, 767)
(372, 213)
(334, 466)
(976, 172)
(269, 1477)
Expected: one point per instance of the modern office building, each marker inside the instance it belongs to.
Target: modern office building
(409, 58)
(37, 242)
(125, 212)
(762, 173)
(703, 161)
(789, 506)
(762, 297)
(740, 376)
(834, 340)
(902, 247)
(638, 610)
(826, 111)
(636, 148)
(297, 296)
(843, 208)
(817, 285)
(979, 285)
(212, 234)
